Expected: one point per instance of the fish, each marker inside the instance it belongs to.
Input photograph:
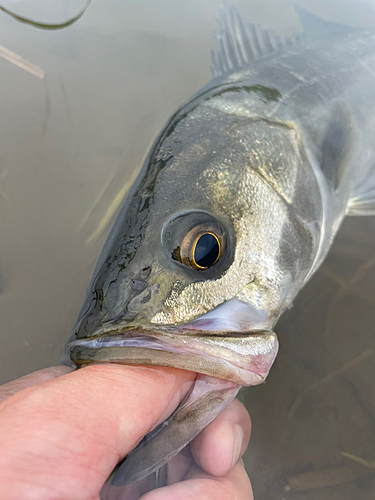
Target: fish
(236, 207)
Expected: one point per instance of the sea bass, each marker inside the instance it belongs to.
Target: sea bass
(236, 207)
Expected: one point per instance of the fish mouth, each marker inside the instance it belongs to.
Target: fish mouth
(235, 354)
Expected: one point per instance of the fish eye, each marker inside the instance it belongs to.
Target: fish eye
(199, 241)
(201, 247)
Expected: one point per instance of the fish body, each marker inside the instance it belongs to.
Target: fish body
(235, 208)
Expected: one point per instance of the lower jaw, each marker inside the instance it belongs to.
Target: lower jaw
(244, 358)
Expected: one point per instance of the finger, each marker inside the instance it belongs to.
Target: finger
(62, 438)
(199, 485)
(35, 378)
(220, 445)
(179, 466)
(214, 450)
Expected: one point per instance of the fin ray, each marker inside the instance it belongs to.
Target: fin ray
(238, 42)
(363, 202)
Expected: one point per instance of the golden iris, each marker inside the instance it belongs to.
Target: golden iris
(202, 247)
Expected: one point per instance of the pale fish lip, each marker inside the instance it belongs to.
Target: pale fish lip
(238, 352)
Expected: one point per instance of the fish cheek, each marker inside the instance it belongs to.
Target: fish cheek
(139, 302)
(170, 286)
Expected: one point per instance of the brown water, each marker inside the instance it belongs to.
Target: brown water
(70, 144)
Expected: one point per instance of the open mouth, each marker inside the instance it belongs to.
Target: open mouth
(236, 354)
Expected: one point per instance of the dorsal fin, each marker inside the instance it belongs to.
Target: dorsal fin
(314, 25)
(238, 42)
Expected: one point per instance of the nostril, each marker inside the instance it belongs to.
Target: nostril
(145, 273)
(137, 285)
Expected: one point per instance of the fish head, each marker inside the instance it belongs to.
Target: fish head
(204, 255)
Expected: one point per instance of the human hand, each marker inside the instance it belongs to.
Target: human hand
(61, 437)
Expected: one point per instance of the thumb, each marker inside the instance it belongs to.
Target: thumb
(62, 438)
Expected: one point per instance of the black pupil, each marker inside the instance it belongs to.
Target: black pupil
(206, 251)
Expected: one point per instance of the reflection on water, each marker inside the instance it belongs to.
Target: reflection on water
(78, 113)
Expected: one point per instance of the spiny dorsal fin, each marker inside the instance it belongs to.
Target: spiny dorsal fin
(314, 25)
(238, 42)
(338, 144)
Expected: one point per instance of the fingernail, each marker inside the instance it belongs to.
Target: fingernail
(237, 439)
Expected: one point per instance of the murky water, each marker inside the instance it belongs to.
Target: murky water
(74, 129)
